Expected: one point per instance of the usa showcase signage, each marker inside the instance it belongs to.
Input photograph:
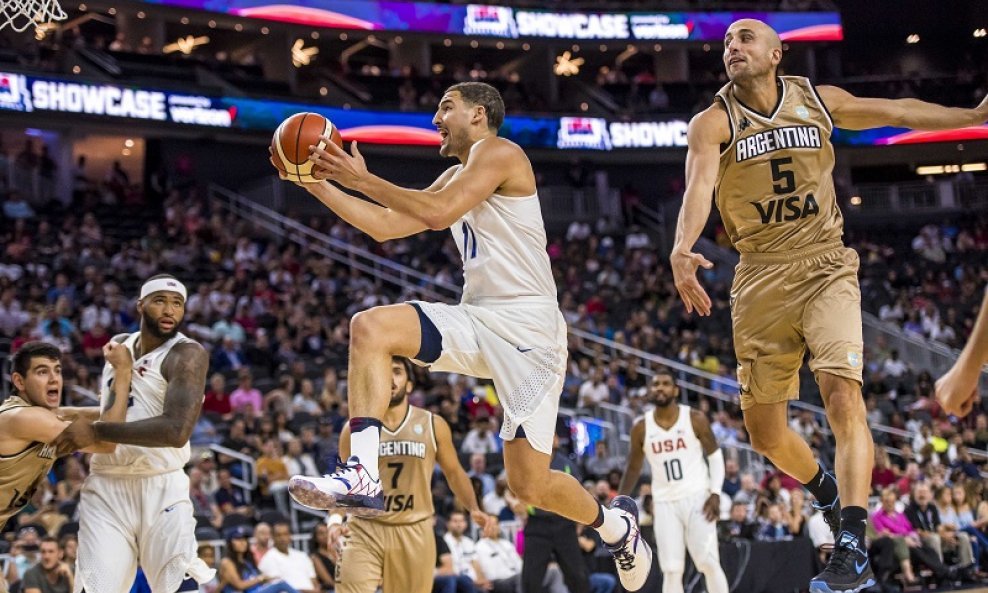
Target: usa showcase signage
(96, 101)
(489, 20)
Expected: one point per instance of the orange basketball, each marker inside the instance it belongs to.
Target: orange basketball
(291, 142)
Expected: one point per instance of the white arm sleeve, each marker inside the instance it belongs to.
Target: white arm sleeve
(715, 465)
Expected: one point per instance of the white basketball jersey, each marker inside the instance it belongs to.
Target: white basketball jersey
(679, 467)
(503, 245)
(147, 400)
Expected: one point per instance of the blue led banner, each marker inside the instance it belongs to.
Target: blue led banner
(487, 20)
(44, 95)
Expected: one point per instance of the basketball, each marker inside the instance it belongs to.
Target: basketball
(291, 142)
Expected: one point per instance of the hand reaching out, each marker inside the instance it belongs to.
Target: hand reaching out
(684, 267)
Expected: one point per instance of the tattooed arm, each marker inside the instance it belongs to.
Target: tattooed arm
(185, 370)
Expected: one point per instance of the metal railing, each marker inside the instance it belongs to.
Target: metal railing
(923, 354)
(562, 204)
(921, 196)
(248, 470)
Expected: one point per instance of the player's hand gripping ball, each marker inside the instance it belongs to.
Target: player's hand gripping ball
(291, 142)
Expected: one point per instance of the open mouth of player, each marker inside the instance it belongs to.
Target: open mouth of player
(166, 324)
(444, 134)
(52, 395)
(734, 61)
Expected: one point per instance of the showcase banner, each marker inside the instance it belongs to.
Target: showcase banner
(488, 20)
(42, 97)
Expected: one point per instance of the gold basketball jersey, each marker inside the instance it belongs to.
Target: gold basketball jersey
(775, 188)
(22, 473)
(406, 462)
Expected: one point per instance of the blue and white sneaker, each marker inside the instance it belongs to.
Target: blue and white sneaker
(632, 555)
(848, 571)
(350, 488)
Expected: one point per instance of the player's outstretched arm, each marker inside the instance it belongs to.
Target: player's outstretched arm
(457, 478)
(715, 462)
(707, 131)
(382, 224)
(861, 113)
(72, 413)
(957, 390)
(633, 470)
(491, 162)
(22, 427)
(185, 370)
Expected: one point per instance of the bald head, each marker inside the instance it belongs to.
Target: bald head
(752, 50)
(760, 30)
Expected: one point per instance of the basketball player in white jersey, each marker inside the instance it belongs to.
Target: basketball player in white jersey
(507, 327)
(135, 507)
(687, 476)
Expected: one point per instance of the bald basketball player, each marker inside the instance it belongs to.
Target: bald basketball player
(763, 150)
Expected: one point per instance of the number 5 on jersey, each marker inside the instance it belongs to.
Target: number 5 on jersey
(785, 208)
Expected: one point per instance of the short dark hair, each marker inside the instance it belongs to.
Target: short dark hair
(22, 358)
(409, 367)
(48, 539)
(665, 371)
(483, 94)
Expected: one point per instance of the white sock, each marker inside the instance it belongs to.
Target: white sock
(364, 445)
(614, 527)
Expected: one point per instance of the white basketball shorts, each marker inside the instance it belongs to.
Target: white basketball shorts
(129, 520)
(521, 346)
(681, 525)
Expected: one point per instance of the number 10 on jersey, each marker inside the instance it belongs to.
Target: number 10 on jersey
(674, 470)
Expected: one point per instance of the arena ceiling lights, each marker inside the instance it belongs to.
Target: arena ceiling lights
(490, 20)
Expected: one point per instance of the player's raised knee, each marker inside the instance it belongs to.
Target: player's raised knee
(366, 328)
